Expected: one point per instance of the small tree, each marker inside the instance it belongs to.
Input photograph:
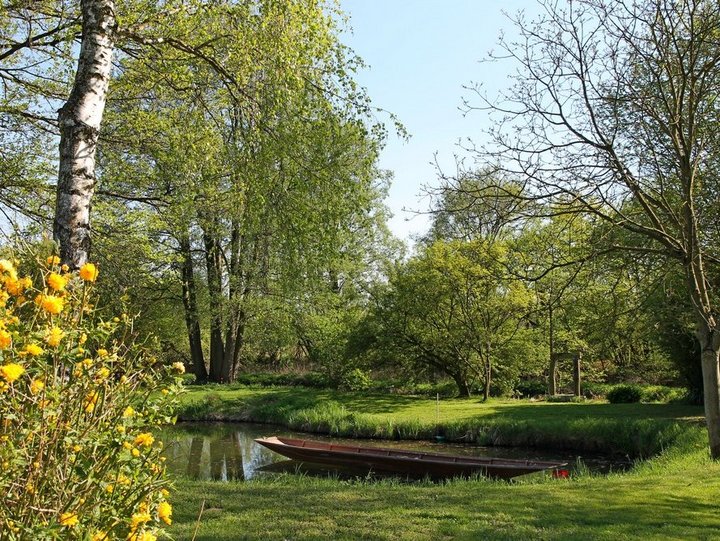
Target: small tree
(454, 309)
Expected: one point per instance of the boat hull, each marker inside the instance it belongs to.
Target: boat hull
(403, 461)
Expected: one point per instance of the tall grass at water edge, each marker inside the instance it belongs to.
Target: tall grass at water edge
(636, 438)
(633, 430)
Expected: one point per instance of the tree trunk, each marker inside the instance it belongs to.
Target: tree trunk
(462, 384)
(552, 372)
(219, 370)
(576, 373)
(79, 120)
(710, 361)
(192, 318)
(488, 375)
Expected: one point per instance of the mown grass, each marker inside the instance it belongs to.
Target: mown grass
(635, 430)
(673, 496)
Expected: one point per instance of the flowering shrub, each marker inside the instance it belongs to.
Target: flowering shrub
(77, 405)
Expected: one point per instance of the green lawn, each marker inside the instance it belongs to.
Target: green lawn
(675, 495)
(208, 402)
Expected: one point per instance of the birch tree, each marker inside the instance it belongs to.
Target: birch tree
(79, 122)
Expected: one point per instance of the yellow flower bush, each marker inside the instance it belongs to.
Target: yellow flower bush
(78, 401)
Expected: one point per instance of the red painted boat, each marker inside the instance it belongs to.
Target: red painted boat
(406, 462)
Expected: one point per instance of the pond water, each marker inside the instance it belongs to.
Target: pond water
(227, 452)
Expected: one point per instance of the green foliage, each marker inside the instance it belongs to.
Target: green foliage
(531, 388)
(356, 380)
(454, 309)
(270, 379)
(79, 400)
(624, 394)
(247, 188)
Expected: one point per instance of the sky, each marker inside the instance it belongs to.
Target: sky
(420, 54)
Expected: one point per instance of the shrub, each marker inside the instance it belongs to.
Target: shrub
(531, 388)
(356, 380)
(624, 394)
(662, 393)
(77, 402)
(595, 390)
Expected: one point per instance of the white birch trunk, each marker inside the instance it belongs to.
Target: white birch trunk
(80, 120)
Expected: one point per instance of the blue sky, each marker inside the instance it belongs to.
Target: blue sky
(421, 53)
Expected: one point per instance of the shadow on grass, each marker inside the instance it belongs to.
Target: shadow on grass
(650, 507)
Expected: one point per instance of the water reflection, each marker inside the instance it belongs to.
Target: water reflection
(227, 452)
(218, 452)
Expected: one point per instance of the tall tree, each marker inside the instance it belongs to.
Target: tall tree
(267, 187)
(614, 113)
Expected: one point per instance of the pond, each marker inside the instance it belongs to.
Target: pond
(227, 452)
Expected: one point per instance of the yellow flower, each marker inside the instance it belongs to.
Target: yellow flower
(120, 429)
(165, 512)
(36, 386)
(52, 304)
(11, 372)
(8, 268)
(53, 260)
(164, 492)
(88, 272)
(69, 519)
(56, 282)
(14, 287)
(5, 339)
(139, 518)
(179, 367)
(142, 536)
(145, 439)
(82, 339)
(90, 401)
(53, 336)
(129, 412)
(135, 453)
(99, 536)
(103, 373)
(102, 352)
(34, 349)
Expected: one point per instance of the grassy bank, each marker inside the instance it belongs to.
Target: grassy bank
(636, 430)
(671, 496)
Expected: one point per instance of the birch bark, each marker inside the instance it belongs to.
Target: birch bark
(79, 120)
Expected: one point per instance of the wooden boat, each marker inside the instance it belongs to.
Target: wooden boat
(406, 462)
